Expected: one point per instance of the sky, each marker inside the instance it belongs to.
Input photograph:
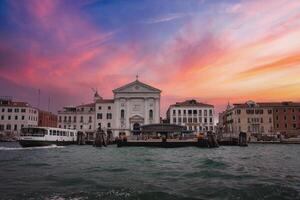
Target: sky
(211, 50)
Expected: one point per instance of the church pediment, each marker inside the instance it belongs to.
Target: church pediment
(136, 87)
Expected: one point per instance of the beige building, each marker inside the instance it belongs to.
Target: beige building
(250, 117)
(81, 118)
(16, 115)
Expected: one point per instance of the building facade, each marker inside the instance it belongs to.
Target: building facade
(286, 118)
(196, 116)
(16, 115)
(267, 118)
(133, 105)
(80, 118)
(47, 119)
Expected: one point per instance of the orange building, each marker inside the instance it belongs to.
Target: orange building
(47, 119)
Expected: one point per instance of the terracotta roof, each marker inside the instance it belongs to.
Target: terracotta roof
(191, 103)
(105, 101)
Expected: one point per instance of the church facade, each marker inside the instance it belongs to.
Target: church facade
(134, 104)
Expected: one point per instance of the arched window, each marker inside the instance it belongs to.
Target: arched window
(150, 114)
(122, 114)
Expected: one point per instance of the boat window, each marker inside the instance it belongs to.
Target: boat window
(54, 132)
(36, 132)
(72, 134)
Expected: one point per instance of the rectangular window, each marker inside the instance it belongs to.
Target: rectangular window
(194, 120)
(195, 112)
(189, 112)
(81, 119)
(184, 112)
(200, 112)
(108, 116)
(174, 112)
(210, 113)
(74, 119)
(190, 120)
(294, 126)
(16, 117)
(23, 110)
(179, 119)
(109, 107)
(108, 125)
(9, 117)
(2, 117)
(3, 110)
(99, 115)
(99, 108)
(184, 120)
(174, 120)
(179, 112)
(16, 110)
(200, 119)
(9, 110)
(238, 111)
(205, 112)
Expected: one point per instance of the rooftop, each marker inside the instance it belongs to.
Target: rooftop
(267, 104)
(191, 103)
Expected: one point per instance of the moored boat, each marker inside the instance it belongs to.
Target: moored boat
(45, 136)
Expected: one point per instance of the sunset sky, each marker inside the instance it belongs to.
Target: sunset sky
(211, 50)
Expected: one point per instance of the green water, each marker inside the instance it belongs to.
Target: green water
(85, 172)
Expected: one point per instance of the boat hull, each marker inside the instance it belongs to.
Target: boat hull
(37, 143)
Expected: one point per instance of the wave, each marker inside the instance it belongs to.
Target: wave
(29, 148)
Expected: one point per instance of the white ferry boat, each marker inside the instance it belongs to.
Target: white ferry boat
(45, 136)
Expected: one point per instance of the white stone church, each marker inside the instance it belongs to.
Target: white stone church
(134, 104)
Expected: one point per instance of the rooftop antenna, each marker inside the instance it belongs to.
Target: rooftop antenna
(39, 94)
(49, 104)
(137, 76)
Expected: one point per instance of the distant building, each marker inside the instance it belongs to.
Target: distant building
(196, 116)
(264, 118)
(47, 119)
(81, 118)
(133, 105)
(16, 115)
(136, 104)
(286, 117)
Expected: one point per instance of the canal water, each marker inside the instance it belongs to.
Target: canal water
(84, 172)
